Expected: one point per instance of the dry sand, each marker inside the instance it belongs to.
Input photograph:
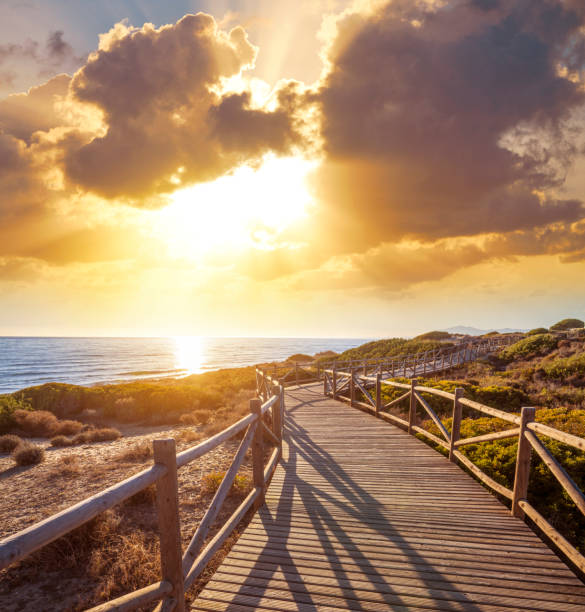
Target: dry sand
(30, 494)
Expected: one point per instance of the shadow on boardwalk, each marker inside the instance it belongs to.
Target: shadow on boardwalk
(361, 516)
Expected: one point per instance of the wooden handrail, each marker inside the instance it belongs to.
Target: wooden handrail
(179, 571)
(526, 430)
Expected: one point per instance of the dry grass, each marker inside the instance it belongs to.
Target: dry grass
(59, 441)
(137, 453)
(105, 434)
(210, 483)
(188, 435)
(28, 454)
(9, 442)
(68, 466)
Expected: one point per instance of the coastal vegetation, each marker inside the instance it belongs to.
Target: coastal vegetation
(47, 410)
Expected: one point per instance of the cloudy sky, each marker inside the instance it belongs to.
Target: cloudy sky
(302, 168)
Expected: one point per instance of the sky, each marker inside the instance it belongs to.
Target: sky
(309, 168)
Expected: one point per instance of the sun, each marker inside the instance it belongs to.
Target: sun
(249, 208)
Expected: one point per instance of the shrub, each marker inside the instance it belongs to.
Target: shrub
(567, 324)
(8, 406)
(188, 435)
(81, 438)
(66, 467)
(36, 423)
(434, 335)
(300, 357)
(210, 483)
(28, 454)
(562, 368)
(9, 442)
(529, 347)
(105, 434)
(138, 452)
(537, 331)
(68, 428)
(61, 441)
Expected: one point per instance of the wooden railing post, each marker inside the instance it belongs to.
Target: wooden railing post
(277, 418)
(324, 383)
(351, 386)
(522, 474)
(167, 503)
(334, 382)
(456, 426)
(412, 411)
(258, 452)
(378, 393)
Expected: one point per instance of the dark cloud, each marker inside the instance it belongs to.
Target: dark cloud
(57, 54)
(416, 106)
(159, 92)
(57, 47)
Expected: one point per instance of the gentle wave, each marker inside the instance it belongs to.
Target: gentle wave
(29, 361)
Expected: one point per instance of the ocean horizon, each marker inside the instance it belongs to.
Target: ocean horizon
(27, 361)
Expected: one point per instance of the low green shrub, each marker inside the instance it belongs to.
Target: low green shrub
(531, 346)
(434, 335)
(8, 406)
(300, 357)
(567, 324)
(211, 482)
(537, 331)
(564, 367)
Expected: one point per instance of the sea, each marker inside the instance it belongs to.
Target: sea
(28, 361)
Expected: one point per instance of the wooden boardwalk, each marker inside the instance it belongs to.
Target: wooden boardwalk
(362, 516)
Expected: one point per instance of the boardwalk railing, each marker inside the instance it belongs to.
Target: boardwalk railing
(179, 568)
(348, 386)
(406, 365)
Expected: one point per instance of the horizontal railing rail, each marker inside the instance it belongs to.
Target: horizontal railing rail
(406, 365)
(524, 428)
(179, 569)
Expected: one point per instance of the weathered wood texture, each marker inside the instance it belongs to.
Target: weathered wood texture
(362, 516)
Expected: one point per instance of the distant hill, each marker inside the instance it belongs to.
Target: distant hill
(474, 331)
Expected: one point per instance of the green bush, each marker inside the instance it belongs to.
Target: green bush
(300, 357)
(434, 335)
(537, 331)
(392, 347)
(8, 406)
(567, 324)
(563, 367)
(531, 346)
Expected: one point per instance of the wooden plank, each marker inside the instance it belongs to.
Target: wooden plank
(362, 516)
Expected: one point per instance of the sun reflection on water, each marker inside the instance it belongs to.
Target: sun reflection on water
(189, 353)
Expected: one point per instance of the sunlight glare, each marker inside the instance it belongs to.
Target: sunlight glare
(189, 354)
(248, 208)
